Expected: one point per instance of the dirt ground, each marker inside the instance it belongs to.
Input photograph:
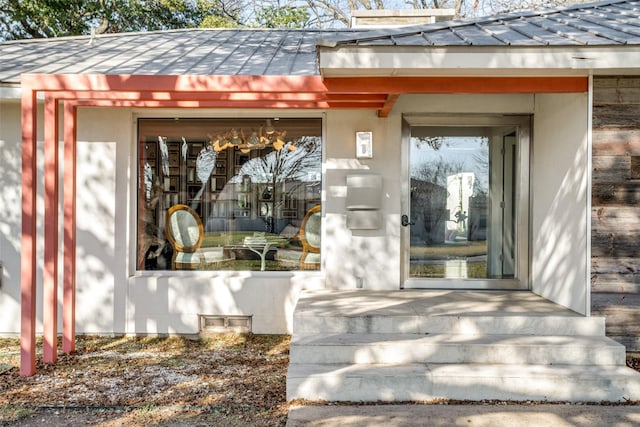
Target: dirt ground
(228, 380)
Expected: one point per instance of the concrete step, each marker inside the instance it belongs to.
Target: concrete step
(459, 324)
(427, 345)
(447, 348)
(427, 382)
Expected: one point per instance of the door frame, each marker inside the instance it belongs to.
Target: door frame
(523, 199)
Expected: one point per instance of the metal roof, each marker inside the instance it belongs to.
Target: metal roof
(295, 52)
(177, 52)
(603, 23)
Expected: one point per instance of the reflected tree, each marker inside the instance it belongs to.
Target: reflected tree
(296, 164)
(430, 187)
(437, 171)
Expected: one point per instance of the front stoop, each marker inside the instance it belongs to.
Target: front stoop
(416, 346)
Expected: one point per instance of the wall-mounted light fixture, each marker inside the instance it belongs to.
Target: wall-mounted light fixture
(364, 145)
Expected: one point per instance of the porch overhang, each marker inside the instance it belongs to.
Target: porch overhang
(281, 92)
(67, 92)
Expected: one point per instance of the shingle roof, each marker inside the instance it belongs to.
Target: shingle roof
(294, 52)
(604, 23)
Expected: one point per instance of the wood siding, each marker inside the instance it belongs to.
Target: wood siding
(615, 242)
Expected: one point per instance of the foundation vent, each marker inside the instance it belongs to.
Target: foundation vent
(220, 324)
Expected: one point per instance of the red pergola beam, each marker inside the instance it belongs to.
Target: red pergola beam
(303, 84)
(28, 242)
(50, 273)
(201, 104)
(215, 100)
(209, 96)
(219, 105)
(189, 83)
(69, 240)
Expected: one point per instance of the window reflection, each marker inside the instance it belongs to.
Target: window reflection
(463, 183)
(250, 183)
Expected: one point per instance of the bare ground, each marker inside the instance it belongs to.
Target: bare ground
(228, 380)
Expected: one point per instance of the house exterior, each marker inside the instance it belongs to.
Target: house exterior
(454, 155)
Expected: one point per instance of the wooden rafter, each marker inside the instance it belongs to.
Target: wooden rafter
(388, 105)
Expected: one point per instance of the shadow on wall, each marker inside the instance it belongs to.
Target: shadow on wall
(170, 303)
(367, 257)
(359, 257)
(10, 226)
(109, 299)
(562, 232)
(96, 275)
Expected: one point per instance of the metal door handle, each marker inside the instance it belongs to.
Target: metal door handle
(404, 220)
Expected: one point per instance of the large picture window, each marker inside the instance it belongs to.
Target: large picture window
(229, 194)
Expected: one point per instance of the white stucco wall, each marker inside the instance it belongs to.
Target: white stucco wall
(560, 215)
(111, 295)
(113, 298)
(102, 162)
(11, 219)
(370, 258)
(171, 303)
(375, 256)
(10, 223)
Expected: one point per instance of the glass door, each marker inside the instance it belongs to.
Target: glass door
(466, 220)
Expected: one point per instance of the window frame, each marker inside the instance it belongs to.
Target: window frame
(136, 185)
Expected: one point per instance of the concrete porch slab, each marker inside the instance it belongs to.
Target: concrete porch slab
(438, 311)
(427, 303)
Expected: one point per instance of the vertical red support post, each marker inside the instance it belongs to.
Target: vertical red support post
(29, 118)
(50, 275)
(69, 242)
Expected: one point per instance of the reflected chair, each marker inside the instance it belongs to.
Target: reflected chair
(184, 231)
(309, 236)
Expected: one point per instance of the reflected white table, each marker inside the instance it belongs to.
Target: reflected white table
(261, 246)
